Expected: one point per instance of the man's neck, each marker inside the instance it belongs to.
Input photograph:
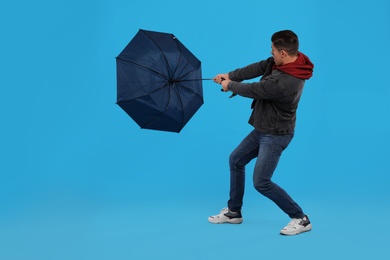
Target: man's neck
(289, 59)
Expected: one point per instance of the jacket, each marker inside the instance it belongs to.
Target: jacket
(275, 96)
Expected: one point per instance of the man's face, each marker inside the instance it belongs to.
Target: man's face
(277, 55)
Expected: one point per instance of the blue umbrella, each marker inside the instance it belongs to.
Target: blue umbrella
(159, 81)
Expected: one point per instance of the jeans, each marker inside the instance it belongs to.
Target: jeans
(268, 149)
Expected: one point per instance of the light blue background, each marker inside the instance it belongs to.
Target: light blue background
(80, 180)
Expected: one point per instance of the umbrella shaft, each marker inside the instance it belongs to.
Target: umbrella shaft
(192, 79)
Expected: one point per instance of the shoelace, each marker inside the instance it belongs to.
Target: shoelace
(295, 221)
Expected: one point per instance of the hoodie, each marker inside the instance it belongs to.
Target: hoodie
(276, 95)
(301, 68)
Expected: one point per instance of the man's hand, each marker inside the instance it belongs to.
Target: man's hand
(222, 79)
(225, 84)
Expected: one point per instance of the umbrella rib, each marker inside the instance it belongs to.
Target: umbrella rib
(162, 53)
(180, 58)
(157, 89)
(185, 75)
(182, 106)
(188, 62)
(189, 89)
(182, 76)
(144, 67)
(165, 107)
(178, 62)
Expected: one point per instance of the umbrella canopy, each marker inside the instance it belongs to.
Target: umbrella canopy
(158, 81)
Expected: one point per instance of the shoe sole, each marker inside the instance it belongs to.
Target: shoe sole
(306, 229)
(230, 221)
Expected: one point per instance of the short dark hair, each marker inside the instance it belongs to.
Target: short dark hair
(286, 40)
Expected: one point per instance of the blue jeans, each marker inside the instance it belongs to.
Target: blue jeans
(268, 149)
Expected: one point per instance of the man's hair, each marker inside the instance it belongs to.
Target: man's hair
(286, 40)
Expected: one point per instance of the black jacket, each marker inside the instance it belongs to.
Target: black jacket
(276, 96)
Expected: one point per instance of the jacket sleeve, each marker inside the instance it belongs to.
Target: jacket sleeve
(251, 71)
(270, 88)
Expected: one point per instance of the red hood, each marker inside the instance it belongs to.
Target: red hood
(301, 68)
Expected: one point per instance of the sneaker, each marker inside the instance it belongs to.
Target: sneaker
(296, 226)
(226, 216)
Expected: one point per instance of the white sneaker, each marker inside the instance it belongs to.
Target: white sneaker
(226, 216)
(296, 226)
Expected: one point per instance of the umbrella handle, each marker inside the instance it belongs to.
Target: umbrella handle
(232, 95)
(222, 88)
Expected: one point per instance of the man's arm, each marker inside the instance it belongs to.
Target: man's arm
(269, 88)
(251, 71)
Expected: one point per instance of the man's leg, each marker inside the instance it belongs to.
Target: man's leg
(241, 156)
(270, 150)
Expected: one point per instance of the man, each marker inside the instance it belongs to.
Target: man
(275, 101)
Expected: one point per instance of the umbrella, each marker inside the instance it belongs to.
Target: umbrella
(159, 81)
